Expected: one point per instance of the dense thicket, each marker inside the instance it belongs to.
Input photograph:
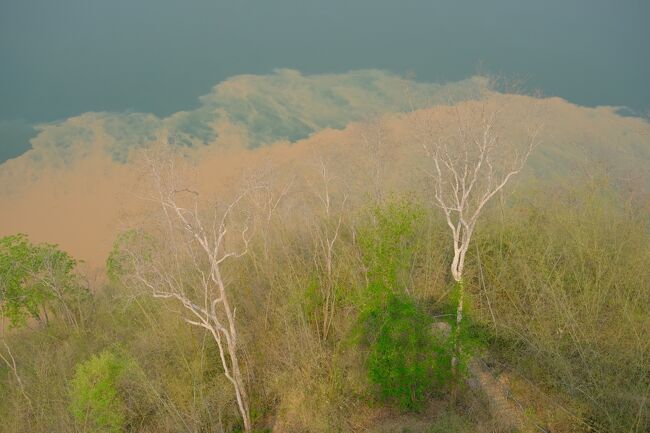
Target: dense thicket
(558, 289)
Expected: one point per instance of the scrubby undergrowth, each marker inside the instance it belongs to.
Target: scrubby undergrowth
(558, 308)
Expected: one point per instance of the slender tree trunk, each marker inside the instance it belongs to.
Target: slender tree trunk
(242, 397)
(455, 359)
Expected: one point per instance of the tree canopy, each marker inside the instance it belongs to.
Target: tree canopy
(31, 276)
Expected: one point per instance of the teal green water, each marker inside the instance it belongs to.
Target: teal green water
(66, 57)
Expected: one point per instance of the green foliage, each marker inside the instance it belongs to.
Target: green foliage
(471, 337)
(404, 358)
(95, 395)
(388, 242)
(31, 275)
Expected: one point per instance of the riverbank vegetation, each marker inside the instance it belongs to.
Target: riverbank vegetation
(321, 301)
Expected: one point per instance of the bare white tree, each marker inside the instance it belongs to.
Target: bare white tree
(185, 262)
(474, 149)
(325, 236)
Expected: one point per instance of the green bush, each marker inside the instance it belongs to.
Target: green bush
(33, 277)
(388, 242)
(95, 393)
(404, 358)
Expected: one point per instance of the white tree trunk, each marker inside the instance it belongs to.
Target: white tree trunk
(472, 159)
(185, 264)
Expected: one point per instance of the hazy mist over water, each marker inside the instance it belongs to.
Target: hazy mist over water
(68, 57)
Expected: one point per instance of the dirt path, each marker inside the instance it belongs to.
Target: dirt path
(509, 416)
